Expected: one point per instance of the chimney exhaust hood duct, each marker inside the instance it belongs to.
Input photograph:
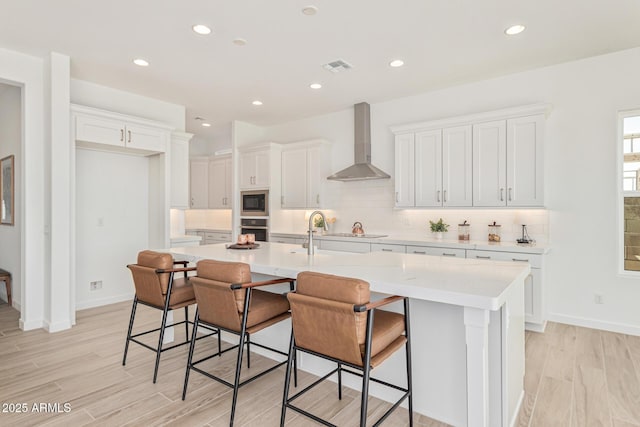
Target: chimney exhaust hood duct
(362, 169)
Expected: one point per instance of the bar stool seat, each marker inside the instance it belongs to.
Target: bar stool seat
(5, 277)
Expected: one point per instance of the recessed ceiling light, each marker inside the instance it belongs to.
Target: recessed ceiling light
(257, 102)
(396, 63)
(309, 10)
(315, 86)
(201, 29)
(141, 62)
(514, 29)
(206, 125)
(239, 42)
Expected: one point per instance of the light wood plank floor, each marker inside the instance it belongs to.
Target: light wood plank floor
(574, 377)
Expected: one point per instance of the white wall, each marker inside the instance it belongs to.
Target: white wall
(106, 98)
(111, 223)
(580, 173)
(11, 143)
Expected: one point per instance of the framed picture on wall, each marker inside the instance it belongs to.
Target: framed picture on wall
(7, 190)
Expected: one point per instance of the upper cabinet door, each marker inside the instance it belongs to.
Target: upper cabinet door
(490, 164)
(247, 169)
(218, 183)
(199, 183)
(294, 178)
(457, 165)
(405, 170)
(263, 169)
(145, 138)
(100, 130)
(179, 186)
(525, 182)
(318, 167)
(428, 166)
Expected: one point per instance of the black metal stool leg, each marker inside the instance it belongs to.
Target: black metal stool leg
(192, 347)
(339, 381)
(295, 368)
(366, 370)
(159, 350)
(248, 351)
(287, 380)
(186, 322)
(133, 316)
(407, 327)
(243, 333)
(219, 343)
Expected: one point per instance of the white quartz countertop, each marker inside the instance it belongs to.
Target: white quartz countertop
(399, 239)
(464, 282)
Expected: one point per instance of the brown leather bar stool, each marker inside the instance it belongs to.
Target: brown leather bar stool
(157, 287)
(333, 318)
(227, 300)
(5, 277)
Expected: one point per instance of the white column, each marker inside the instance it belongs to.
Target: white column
(476, 323)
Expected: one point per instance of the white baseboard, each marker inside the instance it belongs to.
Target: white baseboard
(83, 305)
(57, 326)
(514, 419)
(31, 324)
(535, 327)
(621, 328)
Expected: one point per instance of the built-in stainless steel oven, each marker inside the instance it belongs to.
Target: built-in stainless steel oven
(254, 203)
(256, 226)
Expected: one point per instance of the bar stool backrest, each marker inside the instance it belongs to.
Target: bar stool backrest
(323, 318)
(151, 287)
(218, 304)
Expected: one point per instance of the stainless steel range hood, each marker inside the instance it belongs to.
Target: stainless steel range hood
(362, 169)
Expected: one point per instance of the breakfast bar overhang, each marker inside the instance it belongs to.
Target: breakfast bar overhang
(467, 320)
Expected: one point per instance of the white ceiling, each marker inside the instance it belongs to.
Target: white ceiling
(443, 42)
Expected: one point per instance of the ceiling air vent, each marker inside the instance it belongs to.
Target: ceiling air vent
(337, 66)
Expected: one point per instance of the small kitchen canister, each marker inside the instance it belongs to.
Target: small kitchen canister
(494, 232)
(463, 231)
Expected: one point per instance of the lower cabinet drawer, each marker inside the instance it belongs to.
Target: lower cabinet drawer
(534, 260)
(292, 240)
(382, 247)
(430, 250)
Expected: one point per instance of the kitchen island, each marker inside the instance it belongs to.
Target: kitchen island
(467, 321)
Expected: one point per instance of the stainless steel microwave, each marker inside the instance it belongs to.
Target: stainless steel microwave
(254, 203)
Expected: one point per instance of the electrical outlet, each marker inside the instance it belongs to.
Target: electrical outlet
(598, 298)
(94, 286)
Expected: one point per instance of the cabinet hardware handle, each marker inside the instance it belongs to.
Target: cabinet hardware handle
(282, 200)
(420, 252)
(396, 197)
(438, 196)
(483, 257)
(121, 135)
(446, 254)
(519, 260)
(224, 201)
(445, 196)
(386, 250)
(510, 194)
(129, 132)
(502, 194)
(192, 202)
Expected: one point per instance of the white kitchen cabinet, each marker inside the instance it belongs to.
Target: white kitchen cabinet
(386, 247)
(101, 129)
(304, 171)
(457, 166)
(255, 169)
(179, 186)
(507, 162)
(199, 183)
(533, 286)
(436, 251)
(433, 168)
(405, 170)
(343, 246)
(212, 237)
(525, 179)
(219, 183)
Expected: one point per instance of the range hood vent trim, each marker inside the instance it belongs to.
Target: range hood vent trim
(362, 170)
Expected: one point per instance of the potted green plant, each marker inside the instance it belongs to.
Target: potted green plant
(438, 228)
